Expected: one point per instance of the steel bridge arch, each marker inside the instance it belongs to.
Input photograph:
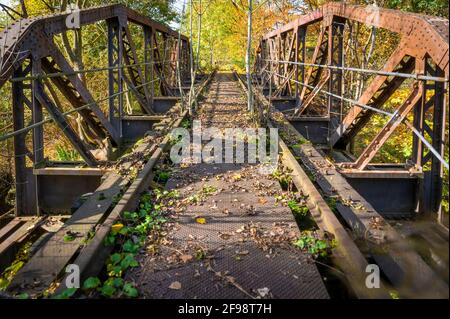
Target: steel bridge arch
(422, 54)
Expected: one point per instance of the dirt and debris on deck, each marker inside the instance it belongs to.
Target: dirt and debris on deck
(228, 237)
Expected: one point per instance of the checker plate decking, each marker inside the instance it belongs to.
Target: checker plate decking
(245, 244)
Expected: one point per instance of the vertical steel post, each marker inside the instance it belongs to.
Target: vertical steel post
(20, 150)
(38, 132)
(439, 117)
(300, 56)
(335, 58)
(149, 61)
(115, 74)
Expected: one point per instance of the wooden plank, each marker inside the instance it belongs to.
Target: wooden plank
(89, 265)
(18, 235)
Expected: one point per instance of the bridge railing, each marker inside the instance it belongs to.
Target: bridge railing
(311, 61)
(146, 61)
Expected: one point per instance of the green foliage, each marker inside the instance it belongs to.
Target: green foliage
(332, 203)
(23, 296)
(208, 190)
(20, 259)
(186, 124)
(69, 238)
(66, 155)
(316, 247)
(108, 291)
(284, 179)
(129, 237)
(91, 283)
(430, 7)
(302, 215)
(162, 177)
(394, 294)
(130, 291)
(301, 211)
(66, 294)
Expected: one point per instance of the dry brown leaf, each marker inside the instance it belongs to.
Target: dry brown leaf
(262, 200)
(176, 285)
(186, 258)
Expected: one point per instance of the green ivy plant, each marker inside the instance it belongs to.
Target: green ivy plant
(129, 236)
(318, 248)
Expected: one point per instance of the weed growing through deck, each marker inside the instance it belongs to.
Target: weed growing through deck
(298, 210)
(208, 190)
(318, 248)
(284, 179)
(162, 177)
(186, 124)
(21, 258)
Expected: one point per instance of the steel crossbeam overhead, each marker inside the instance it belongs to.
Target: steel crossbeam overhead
(317, 83)
(45, 82)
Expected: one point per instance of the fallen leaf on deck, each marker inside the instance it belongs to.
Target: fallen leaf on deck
(225, 236)
(237, 177)
(186, 258)
(176, 285)
(262, 200)
(263, 292)
(200, 220)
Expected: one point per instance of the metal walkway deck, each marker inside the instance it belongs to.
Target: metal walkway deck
(242, 248)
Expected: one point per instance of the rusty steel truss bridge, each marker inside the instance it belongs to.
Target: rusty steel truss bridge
(301, 82)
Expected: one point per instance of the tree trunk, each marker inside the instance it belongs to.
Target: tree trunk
(191, 91)
(248, 56)
(180, 82)
(199, 33)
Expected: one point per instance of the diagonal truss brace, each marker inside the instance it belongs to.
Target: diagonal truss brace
(399, 116)
(63, 124)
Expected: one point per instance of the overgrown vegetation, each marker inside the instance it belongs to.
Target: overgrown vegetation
(21, 258)
(66, 155)
(128, 236)
(318, 248)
